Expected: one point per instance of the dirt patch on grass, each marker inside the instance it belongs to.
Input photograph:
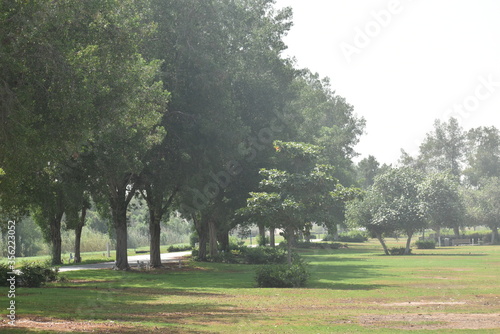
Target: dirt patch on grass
(64, 326)
(48, 324)
(423, 303)
(432, 321)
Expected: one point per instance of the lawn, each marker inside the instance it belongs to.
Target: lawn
(353, 290)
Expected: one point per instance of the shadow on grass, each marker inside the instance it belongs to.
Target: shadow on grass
(347, 287)
(328, 276)
(431, 254)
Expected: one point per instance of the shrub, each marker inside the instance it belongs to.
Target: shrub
(425, 244)
(34, 275)
(282, 276)
(398, 251)
(4, 270)
(263, 255)
(321, 245)
(355, 236)
(179, 248)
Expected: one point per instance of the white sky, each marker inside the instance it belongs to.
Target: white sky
(420, 61)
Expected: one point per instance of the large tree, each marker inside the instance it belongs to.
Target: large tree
(402, 205)
(443, 203)
(483, 206)
(443, 149)
(483, 154)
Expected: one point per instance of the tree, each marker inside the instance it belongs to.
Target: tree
(483, 205)
(227, 79)
(483, 154)
(294, 198)
(325, 119)
(135, 102)
(443, 148)
(401, 203)
(443, 203)
(368, 169)
(367, 212)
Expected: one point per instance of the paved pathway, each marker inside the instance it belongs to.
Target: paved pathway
(132, 260)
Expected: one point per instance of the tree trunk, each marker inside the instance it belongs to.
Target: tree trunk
(78, 235)
(119, 213)
(438, 235)
(154, 239)
(289, 244)
(262, 235)
(121, 246)
(456, 230)
(55, 238)
(336, 232)
(202, 248)
(272, 240)
(382, 242)
(212, 235)
(223, 238)
(494, 235)
(202, 238)
(408, 244)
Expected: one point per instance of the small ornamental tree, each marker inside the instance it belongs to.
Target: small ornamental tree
(391, 204)
(367, 212)
(443, 204)
(293, 198)
(401, 203)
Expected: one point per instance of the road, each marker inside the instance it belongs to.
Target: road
(132, 260)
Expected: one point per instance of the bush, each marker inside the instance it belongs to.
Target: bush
(321, 245)
(354, 236)
(263, 255)
(425, 244)
(4, 270)
(282, 276)
(179, 248)
(398, 251)
(34, 275)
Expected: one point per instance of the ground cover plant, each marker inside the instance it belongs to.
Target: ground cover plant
(355, 289)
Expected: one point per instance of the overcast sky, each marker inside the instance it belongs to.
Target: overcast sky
(403, 64)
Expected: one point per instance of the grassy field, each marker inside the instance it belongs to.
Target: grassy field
(354, 290)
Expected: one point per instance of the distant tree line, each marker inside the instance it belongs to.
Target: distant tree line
(453, 183)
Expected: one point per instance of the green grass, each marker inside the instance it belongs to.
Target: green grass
(354, 290)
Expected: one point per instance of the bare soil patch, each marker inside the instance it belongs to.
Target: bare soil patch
(433, 321)
(56, 325)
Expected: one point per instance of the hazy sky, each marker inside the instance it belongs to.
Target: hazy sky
(403, 64)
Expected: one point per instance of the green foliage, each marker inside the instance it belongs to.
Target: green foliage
(282, 276)
(179, 248)
(425, 244)
(4, 270)
(353, 236)
(321, 245)
(442, 201)
(34, 275)
(262, 241)
(483, 205)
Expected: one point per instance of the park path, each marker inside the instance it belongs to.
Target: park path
(132, 260)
